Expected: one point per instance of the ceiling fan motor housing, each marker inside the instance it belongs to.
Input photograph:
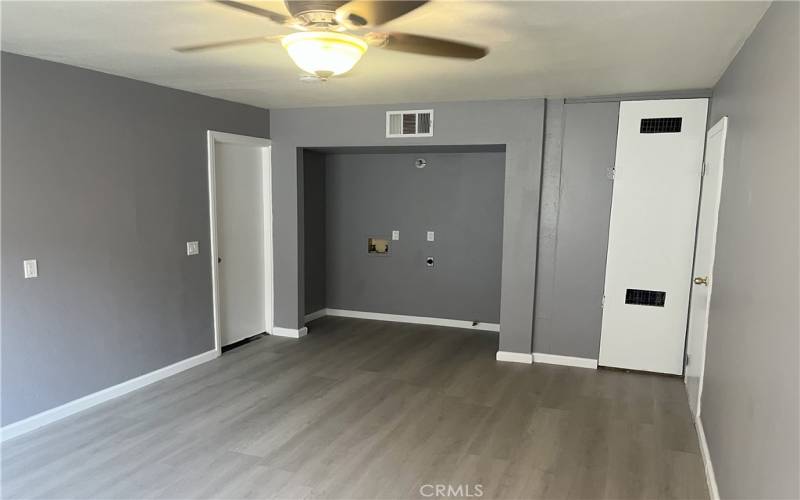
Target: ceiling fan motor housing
(314, 12)
(297, 7)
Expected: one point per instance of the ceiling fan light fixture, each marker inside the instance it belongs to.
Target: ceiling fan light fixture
(324, 53)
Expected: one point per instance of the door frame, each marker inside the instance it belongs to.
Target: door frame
(214, 137)
(719, 127)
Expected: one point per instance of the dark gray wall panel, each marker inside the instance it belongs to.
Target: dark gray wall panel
(750, 398)
(570, 288)
(517, 124)
(458, 196)
(104, 180)
(314, 229)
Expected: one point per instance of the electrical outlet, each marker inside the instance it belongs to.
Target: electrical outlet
(430, 235)
(192, 248)
(395, 235)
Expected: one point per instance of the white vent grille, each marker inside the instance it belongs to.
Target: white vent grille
(411, 123)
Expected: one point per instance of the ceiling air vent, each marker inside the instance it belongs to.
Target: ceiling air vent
(412, 123)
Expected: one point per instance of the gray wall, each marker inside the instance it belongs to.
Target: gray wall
(517, 124)
(459, 196)
(103, 181)
(314, 230)
(580, 142)
(750, 396)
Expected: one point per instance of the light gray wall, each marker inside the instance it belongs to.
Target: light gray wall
(517, 124)
(580, 142)
(459, 196)
(103, 181)
(750, 396)
(314, 229)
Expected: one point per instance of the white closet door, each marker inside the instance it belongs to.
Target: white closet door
(652, 232)
(243, 287)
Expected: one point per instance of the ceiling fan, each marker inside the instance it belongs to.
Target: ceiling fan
(332, 35)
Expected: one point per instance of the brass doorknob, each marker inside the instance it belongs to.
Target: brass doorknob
(701, 280)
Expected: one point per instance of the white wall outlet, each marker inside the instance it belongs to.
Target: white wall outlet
(395, 235)
(31, 268)
(192, 248)
(430, 235)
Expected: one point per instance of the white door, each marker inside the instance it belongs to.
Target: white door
(704, 262)
(651, 234)
(242, 229)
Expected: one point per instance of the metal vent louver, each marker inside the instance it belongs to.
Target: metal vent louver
(411, 123)
(645, 297)
(660, 125)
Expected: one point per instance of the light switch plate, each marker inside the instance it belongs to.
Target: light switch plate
(395, 235)
(430, 235)
(192, 248)
(31, 268)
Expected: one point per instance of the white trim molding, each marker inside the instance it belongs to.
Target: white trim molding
(419, 320)
(515, 357)
(54, 414)
(292, 333)
(555, 359)
(315, 315)
(711, 479)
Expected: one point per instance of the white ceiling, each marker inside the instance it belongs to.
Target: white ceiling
(564, 49)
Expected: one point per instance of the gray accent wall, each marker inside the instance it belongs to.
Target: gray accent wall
(751, 383)
(518, 124)
(580, 144)
(104, 179)
(314, 230)
(459, 196)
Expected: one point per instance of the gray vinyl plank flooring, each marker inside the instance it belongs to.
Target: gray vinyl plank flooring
(362, 409)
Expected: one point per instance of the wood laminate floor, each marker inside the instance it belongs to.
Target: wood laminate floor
(365, 409)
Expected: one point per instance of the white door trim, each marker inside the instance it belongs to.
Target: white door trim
(720, 126)
(244, 140)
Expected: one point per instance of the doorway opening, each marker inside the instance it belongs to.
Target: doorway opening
(240, 208)
(409, 234)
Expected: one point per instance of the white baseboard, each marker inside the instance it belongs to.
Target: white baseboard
(315, 315)
(711, 479)
(555, 359)
(514, 357)
(419, 320)
(293, 333)
(552, 359)
(49, 416)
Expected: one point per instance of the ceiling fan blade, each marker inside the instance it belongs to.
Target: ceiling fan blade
(274, 16)
(429, 46)
(228, 43)
(375, 12)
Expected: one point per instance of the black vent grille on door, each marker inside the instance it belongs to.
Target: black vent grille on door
(645, 297)
(660, 125)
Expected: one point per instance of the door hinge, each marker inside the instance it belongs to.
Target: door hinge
(603, 302)
(686, 359)
(703, 170)
(611, 172)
